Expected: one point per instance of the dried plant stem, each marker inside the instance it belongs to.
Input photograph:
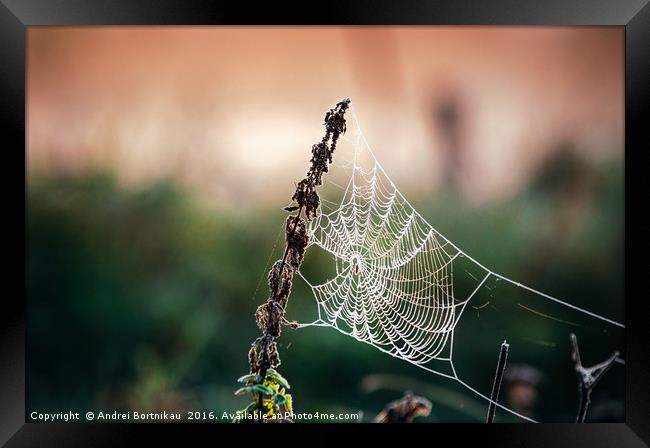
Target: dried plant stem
(587, 377)
(583, 405)
(498, 378)
(263, 354)
(286, 249)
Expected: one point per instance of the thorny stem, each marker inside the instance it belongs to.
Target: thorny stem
(498, 378)
(587, 377)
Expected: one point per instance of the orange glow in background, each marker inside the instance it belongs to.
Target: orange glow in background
(210, 106)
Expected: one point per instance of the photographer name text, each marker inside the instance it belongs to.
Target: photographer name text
(173, 416)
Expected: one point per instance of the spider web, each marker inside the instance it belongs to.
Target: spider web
(394, 286)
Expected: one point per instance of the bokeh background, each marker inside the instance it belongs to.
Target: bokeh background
(159, 160)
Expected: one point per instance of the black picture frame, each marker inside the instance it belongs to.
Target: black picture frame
(17, 15)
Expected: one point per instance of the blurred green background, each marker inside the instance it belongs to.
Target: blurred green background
(140, 298)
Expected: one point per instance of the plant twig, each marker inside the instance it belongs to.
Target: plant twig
(498, 378)
(587, 377)
(263, 356)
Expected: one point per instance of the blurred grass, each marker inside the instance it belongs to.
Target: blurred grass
(143, 298)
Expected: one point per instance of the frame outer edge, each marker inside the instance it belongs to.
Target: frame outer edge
(12, 316)
(637, 108)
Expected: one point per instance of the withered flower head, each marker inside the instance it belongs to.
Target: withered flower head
(281, 279)
(297, 240)
(274, 356)
(404, 410)
(321, 158)
(252, 357)
(335, 122)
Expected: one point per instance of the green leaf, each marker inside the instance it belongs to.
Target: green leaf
(255, 388)
(275, 376)
(280, 399)
(261, 389)
(250, 377)
(249, 409)
(243, 390)
(289, 402)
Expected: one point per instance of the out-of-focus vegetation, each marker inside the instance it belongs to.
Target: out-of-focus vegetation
(143, 298)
